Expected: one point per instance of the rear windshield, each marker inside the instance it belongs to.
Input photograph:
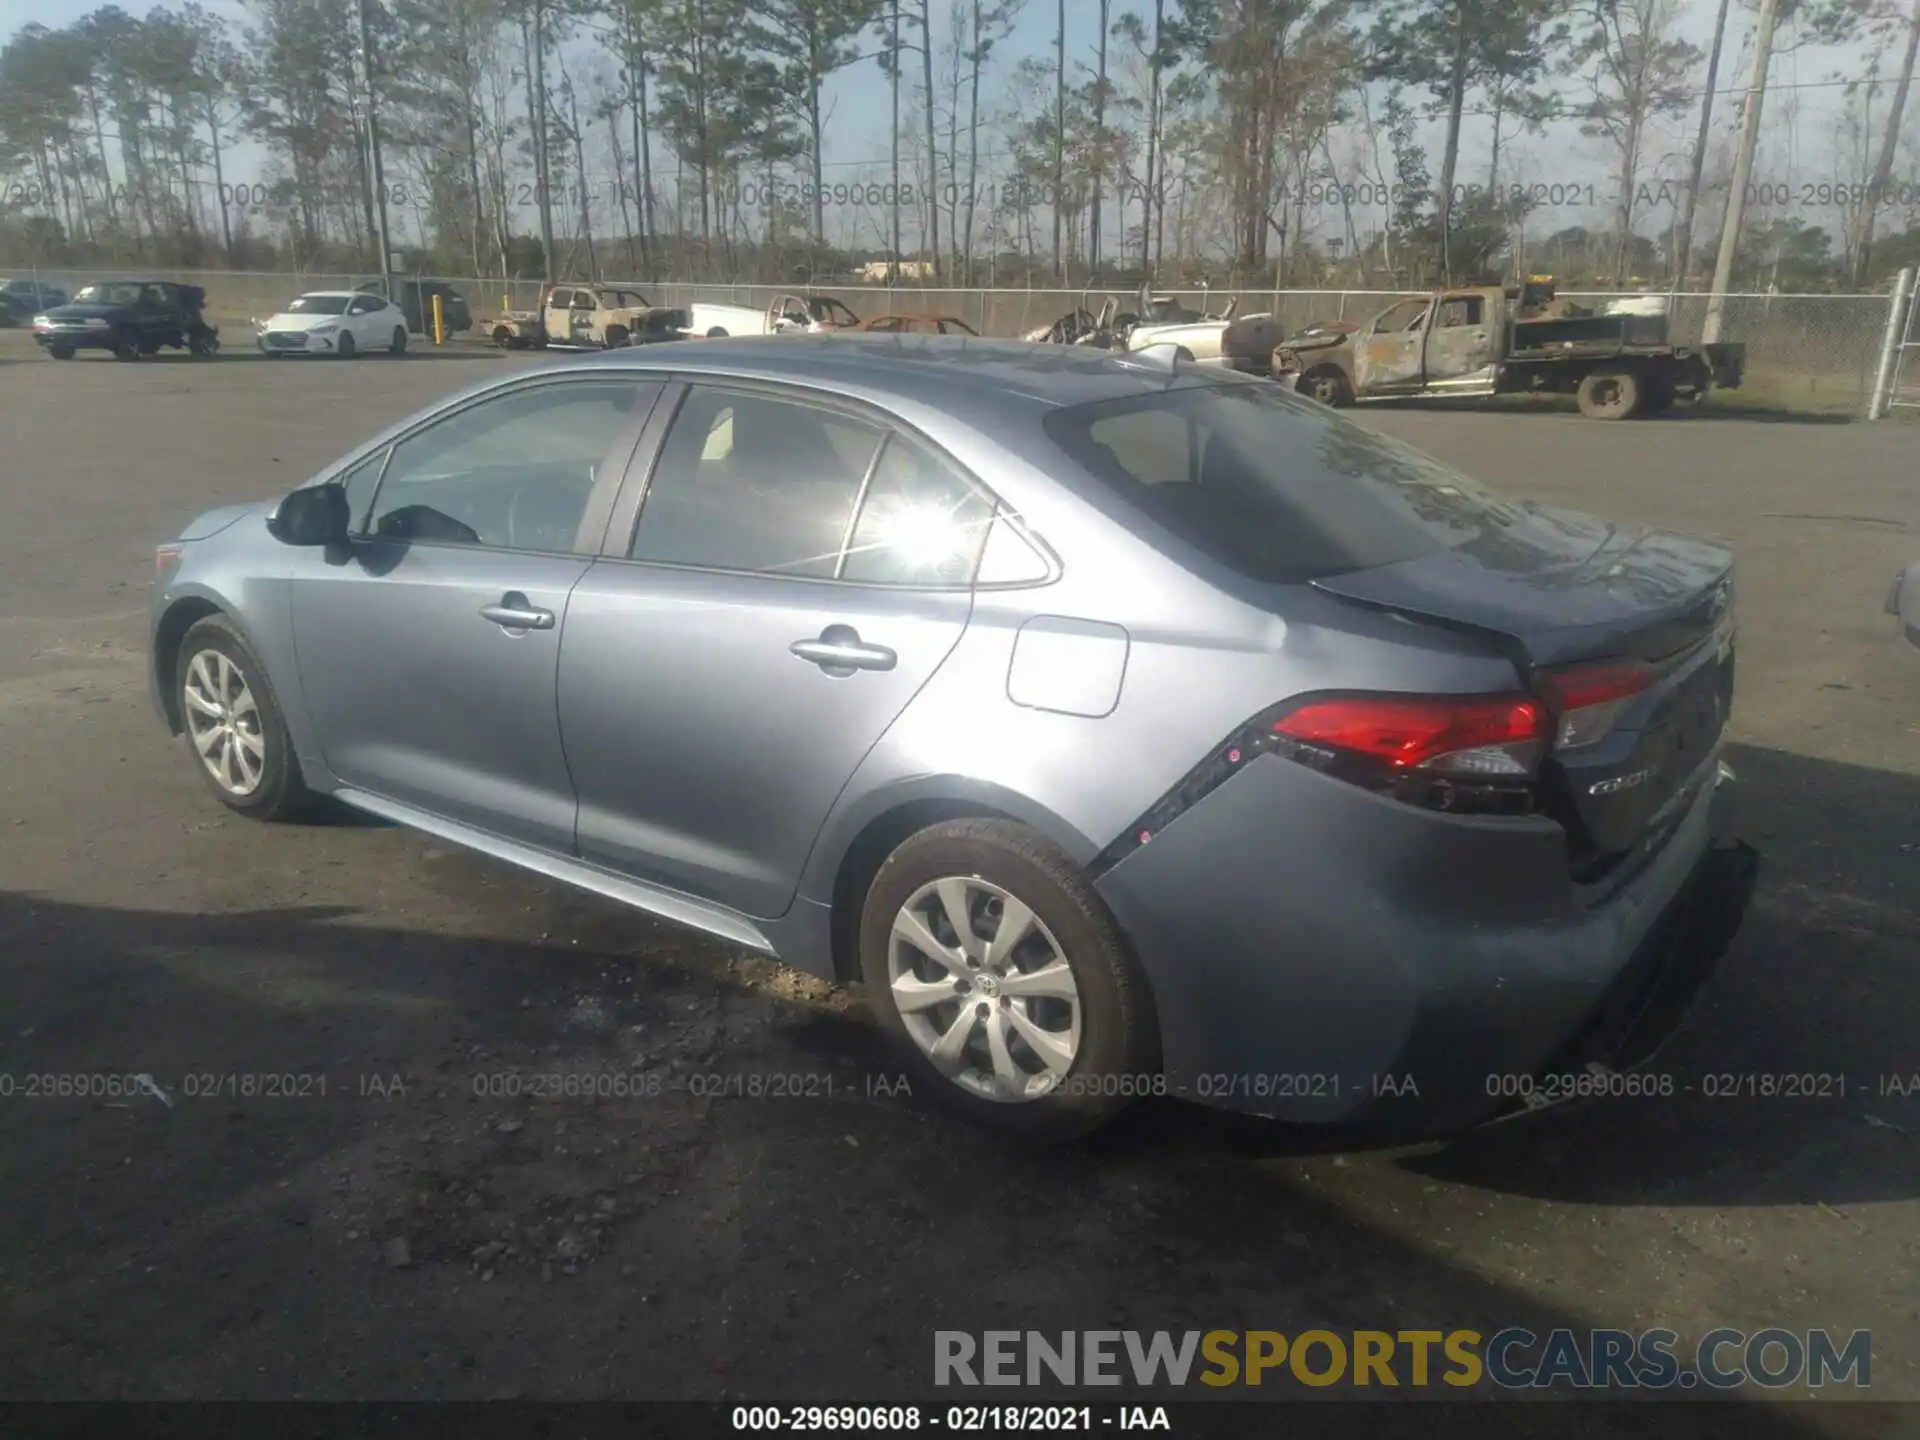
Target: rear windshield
(1275, 487)
(319, 305)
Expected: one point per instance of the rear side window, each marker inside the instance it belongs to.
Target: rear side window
(749, 482)
(1275, 487)
(922, 522)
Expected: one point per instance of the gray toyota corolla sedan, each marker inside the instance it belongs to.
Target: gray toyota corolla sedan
(1127, 727)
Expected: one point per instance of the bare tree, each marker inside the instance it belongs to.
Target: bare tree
(1637, 73)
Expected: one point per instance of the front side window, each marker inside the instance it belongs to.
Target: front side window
(108, 295)
(360, 483)
(514, 471)
(1279, 489)
(746, 481)
(1407, 315)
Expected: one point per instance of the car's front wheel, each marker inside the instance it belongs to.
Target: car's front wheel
(989, 955)
(233, 724)
(346, 346)
(398, 345)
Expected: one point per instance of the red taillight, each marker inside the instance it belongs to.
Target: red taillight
(1586, 700)
(165, 557)
(1486, 737)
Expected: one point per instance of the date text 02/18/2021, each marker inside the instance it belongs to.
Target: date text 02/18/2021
(953, 1419)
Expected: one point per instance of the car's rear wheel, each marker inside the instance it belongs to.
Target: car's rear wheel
(1006, 979)
(716, 333)
(233, 724)
(1610, 395)
(346, 346)
(399, 345)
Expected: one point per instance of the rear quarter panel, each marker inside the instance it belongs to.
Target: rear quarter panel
(1204, 654)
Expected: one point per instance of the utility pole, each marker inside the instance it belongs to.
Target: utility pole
(1742, 172)
(893, 270)
(379, 179)
(1684, 253)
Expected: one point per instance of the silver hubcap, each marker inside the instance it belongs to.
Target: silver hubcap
(224, 722)
(984, 989)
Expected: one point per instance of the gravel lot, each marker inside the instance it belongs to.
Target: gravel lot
(404, 1237)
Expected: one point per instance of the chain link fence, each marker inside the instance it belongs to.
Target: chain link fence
(1809, 352)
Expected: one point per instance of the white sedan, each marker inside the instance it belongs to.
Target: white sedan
(334, 322)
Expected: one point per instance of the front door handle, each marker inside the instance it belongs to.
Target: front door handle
(840, 651)
(516, 612)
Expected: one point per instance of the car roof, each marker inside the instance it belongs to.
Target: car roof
(973, 377)
(334, 295)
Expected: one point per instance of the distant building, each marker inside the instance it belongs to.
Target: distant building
(878, 271)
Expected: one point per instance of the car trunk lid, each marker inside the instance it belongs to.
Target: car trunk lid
(1592, 613)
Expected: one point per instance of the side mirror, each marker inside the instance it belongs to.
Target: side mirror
(313, 515)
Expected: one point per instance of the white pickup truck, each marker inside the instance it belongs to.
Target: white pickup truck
(787, 315)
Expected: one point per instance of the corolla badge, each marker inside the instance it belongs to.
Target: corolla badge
(1621, 782)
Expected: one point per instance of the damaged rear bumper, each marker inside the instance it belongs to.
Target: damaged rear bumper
(1321, 955)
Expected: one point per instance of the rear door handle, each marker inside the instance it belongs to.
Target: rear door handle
(840, 651)
(516, 612)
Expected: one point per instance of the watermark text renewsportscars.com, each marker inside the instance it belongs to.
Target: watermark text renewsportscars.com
(1513, 1358)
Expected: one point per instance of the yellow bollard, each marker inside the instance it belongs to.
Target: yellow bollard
(439, 323)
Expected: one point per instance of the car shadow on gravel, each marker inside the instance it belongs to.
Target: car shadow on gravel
(1796, 1081)
(418, 1233)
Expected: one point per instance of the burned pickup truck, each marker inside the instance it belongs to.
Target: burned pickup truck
(1499, 340)
(586, 317)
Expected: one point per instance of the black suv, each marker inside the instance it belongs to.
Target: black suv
(131, 318)
(415, 299)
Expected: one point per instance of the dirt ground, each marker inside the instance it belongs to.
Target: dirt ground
(415, 1233)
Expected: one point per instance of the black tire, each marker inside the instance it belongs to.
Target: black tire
(503, 337)
(716, 333)
(126, 344)
(60, 352)
(1658, 398)
(345, 349)
(204, 345)
(281, 793)
(1611, 394)
(617, 337)
(1118, 1055)
(1327, 385)
(399, 344)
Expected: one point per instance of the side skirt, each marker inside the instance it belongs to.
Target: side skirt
(655, 900)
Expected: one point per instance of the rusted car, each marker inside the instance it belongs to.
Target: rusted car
(1499, 340)
(914, 324)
